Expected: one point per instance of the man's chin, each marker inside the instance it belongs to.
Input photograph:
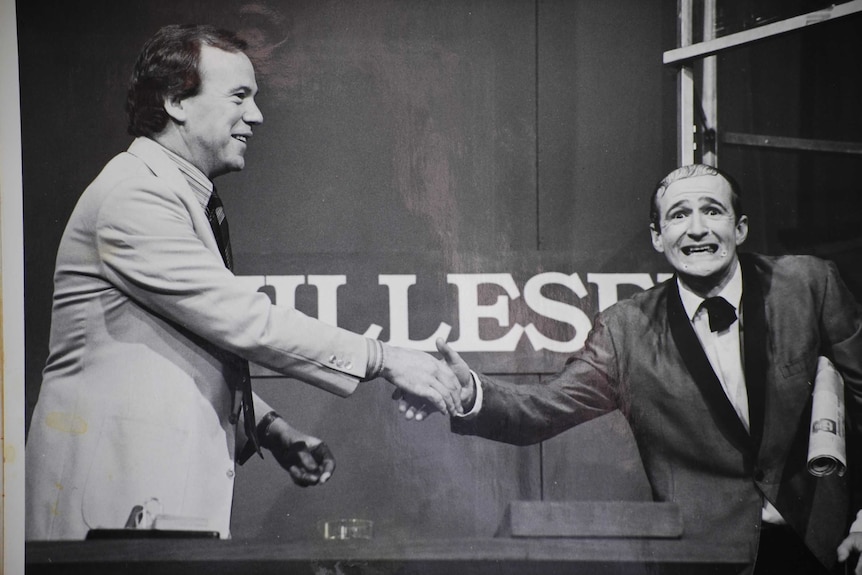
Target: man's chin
(698, 271)
(702, 278)
(703, 266)
(234, 166)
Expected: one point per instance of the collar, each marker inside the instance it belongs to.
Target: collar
(732, 292)
(201, 185)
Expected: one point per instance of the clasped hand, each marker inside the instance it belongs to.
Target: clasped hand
(424, 378)
(417, 407)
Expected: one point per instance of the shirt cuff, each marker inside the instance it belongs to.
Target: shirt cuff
(857, 525)
(477, 402)
(376, 359)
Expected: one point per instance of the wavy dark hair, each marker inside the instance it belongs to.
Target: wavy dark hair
(167, 67)
(691, 171)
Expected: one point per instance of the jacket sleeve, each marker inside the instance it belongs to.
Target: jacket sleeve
(841, 328)
(149, 240)
(527, 413)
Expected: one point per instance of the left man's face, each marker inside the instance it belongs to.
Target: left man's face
(219, 118)
(699, 231)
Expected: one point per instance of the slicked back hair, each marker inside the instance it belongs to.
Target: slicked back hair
(693, 171)
(167, 67)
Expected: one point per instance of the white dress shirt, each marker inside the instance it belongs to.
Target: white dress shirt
(724, 349)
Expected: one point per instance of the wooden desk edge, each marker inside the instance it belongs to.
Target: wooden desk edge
(580, 550)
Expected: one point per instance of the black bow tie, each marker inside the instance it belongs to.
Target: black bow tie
(721, 313)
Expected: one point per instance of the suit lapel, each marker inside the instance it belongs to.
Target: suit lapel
(158, 162)
(151, 154)
(701, 370)
(754, 345)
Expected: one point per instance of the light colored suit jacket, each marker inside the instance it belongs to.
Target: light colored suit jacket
(137, 391)
(643, 358)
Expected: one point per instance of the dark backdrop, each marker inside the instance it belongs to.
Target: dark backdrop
(400, 137)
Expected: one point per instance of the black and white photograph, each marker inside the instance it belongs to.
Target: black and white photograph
(431, 286)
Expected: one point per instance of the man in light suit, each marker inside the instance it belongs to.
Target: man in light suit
(720, 413)
(145, 398)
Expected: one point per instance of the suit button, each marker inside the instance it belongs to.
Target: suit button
(348, 365)
(759, 475)
(230, 473)
(332, 359)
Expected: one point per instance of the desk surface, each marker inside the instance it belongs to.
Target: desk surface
(380, 556)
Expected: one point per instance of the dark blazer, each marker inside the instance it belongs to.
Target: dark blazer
(643, 358)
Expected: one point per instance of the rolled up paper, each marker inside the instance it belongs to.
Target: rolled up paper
(827, 449)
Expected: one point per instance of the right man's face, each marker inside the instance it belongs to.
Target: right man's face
(698, 229)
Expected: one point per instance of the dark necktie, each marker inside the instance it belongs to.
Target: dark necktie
(721, 313)
(218, 223)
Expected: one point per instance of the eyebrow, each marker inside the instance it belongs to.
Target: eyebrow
(247, 90)
(707, 200)
(712, 201)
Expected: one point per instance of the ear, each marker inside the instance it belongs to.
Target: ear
(656, 239)
(175, 109)
(741, 229)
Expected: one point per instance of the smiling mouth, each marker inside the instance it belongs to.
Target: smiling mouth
(243, 139)
(701, 249)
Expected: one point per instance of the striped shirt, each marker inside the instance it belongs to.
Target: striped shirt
(201, 185)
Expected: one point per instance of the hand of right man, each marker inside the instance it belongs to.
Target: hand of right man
(850, 549)
(460, 368)
(424, 377)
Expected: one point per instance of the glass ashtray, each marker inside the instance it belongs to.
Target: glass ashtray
(341, 529)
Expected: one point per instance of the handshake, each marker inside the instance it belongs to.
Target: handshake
(425, 384)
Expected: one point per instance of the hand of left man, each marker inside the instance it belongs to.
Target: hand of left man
(421, 375)
(417, 408)
(307, 459)
(850, 547)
